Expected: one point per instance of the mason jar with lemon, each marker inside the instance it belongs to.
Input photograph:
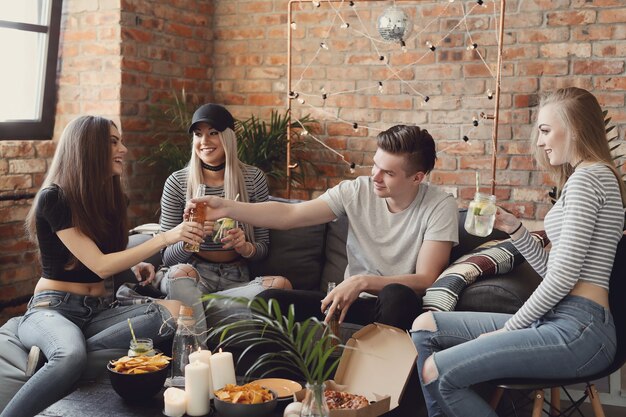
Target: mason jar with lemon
(481, 214)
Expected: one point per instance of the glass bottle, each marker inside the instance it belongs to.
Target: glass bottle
(197, 214)
(141, 347)
(481, 215)
(314, 403)
(185, 343)
(333, 323)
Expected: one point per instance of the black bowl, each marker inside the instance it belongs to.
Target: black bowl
(228, 409)
(138, 387)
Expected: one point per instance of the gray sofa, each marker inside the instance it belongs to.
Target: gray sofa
(310, 257)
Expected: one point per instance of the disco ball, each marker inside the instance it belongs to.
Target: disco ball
(394, 25)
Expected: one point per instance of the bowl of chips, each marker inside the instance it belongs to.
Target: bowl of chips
(138, 378)
(249, 400)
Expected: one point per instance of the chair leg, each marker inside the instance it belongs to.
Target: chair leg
(496, 397)
(592, 392)
(555, 401)
(538, 404)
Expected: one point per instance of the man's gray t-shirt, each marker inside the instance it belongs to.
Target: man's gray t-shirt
(384, 243)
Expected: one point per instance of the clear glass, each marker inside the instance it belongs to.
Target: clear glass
(314, 403)
(141, 347)
(333, 323)
(197, 215)
(185, 343)
(481, 214)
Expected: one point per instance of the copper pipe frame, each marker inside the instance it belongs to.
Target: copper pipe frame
(496, 111)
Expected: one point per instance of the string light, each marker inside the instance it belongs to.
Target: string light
(352, 167)
(394, 74)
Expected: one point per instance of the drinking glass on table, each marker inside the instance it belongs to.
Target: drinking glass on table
(197, 214)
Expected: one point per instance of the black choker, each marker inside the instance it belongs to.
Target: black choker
(213, 168)
(576, 164)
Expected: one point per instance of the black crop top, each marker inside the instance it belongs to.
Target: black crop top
(52, 215)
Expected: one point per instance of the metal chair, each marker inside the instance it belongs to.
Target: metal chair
(617, 304)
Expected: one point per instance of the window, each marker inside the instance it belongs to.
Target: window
(29, 47)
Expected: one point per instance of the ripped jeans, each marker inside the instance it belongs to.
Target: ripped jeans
(228, 279)
(575, 338)
(65, 326)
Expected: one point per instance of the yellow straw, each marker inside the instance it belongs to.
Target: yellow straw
(477, 181)
(132, 333)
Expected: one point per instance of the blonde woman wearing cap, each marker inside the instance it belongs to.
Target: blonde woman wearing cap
(219, 267)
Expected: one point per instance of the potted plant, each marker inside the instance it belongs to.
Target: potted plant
(307, 348)
(264, 145)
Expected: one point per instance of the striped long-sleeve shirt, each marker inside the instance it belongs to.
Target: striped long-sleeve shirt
(584, 226)
(173, 205)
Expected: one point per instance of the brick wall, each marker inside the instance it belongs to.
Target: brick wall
(121, 59)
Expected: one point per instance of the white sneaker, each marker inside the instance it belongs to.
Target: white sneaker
(33, 363)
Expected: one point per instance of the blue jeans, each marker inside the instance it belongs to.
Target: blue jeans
(576, 338)
(228, 279)
(65, 326)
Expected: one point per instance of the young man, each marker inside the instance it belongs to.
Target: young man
(401, 232)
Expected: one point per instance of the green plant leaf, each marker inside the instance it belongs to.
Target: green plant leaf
(307, 348)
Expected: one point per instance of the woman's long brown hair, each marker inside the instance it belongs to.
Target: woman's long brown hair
(82, 168)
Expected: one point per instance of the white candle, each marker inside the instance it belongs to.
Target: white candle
(198, 388)
(203, 356)
(175, 401)
(222, 369)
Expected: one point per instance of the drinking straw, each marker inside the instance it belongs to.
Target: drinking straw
(237, 197)
(132, 333)
(477, 181)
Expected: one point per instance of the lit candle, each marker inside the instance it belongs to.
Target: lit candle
(175, 401)
(198, 388)
(222, 369)
(203, 356)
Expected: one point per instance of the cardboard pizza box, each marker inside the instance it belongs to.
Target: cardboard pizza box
(376, 363)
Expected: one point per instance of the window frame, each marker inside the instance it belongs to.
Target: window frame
(43, 128)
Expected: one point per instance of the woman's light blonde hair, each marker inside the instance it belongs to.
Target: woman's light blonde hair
(234, 182)
(583, 119)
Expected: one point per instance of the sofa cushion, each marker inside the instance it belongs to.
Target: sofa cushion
(502, 293)
(492, 258)
(297, 254)
(335, 252)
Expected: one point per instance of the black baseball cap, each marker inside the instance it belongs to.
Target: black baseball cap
(217, 116)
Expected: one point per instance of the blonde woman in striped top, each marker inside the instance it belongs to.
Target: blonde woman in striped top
(565, 328)
(220, 266)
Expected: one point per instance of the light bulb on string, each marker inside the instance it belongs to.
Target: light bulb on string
(475, 121)
(323, 45)
(381, 58)
(380, 87)
(425, 101)
(402, 45)
(301, 101)
(293, 94)
(355, 126)
(431, 46)
(316, 3)
(472, 46)
(304, 132)
(352, 167)
(489, 94)
(345, 25)
(465, 139)
(351, 4)
(294, 26)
